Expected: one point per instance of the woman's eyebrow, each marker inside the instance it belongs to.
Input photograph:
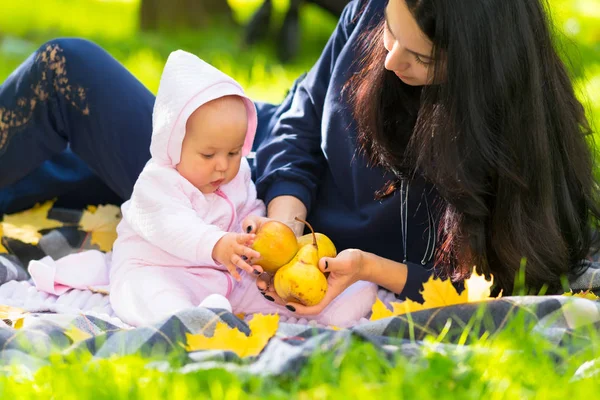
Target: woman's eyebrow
(394, 36)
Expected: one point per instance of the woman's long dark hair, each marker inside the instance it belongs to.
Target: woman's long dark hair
(499, 133)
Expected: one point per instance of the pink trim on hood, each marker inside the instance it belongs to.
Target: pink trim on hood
(187, 83)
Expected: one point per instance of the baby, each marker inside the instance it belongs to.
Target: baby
(180, 238)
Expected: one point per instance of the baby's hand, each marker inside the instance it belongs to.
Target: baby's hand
(232, 251)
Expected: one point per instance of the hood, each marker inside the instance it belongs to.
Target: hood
(186, 83)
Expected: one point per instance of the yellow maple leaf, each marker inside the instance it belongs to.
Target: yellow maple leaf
(76, 334)
(24, 225)
(13, 315)
(584, 294)
(438, 293)
(380, 311)
(102, 222)
(478, 288)
(262, 328)
(407, 306)
(2, 248)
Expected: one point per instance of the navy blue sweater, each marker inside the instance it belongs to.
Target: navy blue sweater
(311, 153)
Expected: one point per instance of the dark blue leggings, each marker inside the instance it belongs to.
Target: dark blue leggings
(76, 125)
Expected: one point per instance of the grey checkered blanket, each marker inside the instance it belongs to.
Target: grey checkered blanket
(45, 329)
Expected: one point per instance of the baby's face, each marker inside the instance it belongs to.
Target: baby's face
(212, 147)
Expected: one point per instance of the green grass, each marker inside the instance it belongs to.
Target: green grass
(515, 364)
(113, 24)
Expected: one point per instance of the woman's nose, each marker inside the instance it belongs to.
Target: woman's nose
(396, 59)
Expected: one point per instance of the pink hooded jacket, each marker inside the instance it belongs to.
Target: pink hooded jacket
(169, 222)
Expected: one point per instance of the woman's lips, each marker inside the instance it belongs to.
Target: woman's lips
(402, 76)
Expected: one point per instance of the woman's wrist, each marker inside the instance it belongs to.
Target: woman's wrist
(386, 273)
(286, 209)
(366, 266)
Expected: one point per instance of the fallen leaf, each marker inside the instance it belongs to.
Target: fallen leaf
(407, 306)
(13, 316)
(380, 311)
(98, 290)
(584, 294)
(76, 334)
(102, 222)
(262, 328)
(478, 288)
(24, 226)
(438, 293)
(2, 248)
(18, 324)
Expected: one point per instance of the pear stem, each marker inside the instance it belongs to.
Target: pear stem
(311, 229)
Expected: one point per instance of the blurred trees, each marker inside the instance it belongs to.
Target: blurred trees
(181, 14)
(288, 38)
(333, 6)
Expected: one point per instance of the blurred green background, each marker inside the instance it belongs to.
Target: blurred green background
(114, 24)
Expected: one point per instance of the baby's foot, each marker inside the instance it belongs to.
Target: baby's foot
(216, 301)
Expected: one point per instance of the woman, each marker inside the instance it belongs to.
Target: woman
(427, 135)
(470, 110)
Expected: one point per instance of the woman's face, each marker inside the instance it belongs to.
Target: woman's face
(409, 50)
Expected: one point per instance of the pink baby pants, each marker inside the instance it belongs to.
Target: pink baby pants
(144, 295)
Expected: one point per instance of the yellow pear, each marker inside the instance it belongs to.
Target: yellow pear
(277, 245)
(301, 280)
(325, 245)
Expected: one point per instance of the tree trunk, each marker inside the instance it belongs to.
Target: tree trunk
(181, 14)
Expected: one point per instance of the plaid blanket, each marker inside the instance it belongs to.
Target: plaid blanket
(45, 328)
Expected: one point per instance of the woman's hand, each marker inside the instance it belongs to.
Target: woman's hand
(252, 223)
(344, 270)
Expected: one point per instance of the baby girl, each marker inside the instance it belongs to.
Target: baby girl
(180, 239)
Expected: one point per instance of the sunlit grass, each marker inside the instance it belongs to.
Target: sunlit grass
(113, 24)
(517, 363)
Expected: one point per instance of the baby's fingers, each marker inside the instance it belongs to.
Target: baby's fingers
(238, 261)
(246, 238)
(234, 272)
(246, 253)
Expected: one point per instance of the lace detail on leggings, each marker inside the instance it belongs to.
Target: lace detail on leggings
(53, 66)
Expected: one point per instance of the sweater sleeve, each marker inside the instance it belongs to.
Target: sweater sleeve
(290, 161)
(417, 275)
(163, 215)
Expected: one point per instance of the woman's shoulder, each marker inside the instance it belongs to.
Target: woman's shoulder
(358, 10)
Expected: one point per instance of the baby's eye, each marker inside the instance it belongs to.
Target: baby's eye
(234, 153)
(207, 156)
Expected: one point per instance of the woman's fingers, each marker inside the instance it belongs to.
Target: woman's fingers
(325, 264)
(263, 282)
(272, 296)
(252, 223)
